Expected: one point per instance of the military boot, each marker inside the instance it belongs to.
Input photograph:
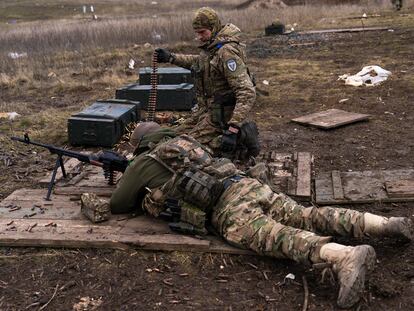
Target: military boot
(351, 264)
(396, 227)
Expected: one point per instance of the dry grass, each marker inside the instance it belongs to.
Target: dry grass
(80, 60)
(45, 42)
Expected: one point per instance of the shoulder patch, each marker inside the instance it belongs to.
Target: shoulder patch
(232, 65)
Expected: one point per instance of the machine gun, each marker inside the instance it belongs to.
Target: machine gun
(110, 161)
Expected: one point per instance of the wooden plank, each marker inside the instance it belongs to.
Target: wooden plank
(338, 191)
(62, 225)
(77, 190)
(70, 165)
(163, 242)
(361, 29)
(331, 118)
(30, 203)
(291, 186)
(25, 209)
(400, 188)
(363, 187)
(304, 172)
(58, 226)
(77, 234)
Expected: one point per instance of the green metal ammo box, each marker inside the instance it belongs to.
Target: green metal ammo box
(169, 97)
(166, 75)
(103, 123)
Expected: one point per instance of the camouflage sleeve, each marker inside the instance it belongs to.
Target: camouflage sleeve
(237, 76)
(185, 61)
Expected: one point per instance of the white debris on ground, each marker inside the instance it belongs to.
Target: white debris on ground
(131, 64)
(265, 82)
(369, 76)
(9, 115)
(16, 55)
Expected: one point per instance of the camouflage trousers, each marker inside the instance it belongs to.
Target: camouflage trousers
(251, 216)
(200, 127)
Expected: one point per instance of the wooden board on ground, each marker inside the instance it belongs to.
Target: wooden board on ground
(26, 219)
(331, 118)
(71, 166)
(81, 178)
(400, 188)
(291, 173)
(364, 187)
(339, 30)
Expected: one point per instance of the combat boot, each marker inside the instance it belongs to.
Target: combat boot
(396, 227)
(351, 264)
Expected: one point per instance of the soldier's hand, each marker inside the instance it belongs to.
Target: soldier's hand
(229, 140)
(163, 55)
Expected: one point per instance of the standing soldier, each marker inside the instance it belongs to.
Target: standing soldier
(178, 173)
(225, 90)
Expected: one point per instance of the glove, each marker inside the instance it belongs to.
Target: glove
(229, 140)
(249, 138)
(163, 55)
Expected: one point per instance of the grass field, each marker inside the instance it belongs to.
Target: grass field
(67, 52)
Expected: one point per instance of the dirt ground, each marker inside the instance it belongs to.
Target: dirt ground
(302, 72)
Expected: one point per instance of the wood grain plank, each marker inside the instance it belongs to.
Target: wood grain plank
(30, 203)
(304, 173)
(291, 186)
(77, 190)
(70, 165)
(331, 118)
(82, 233)
(338, 191)
(400, 188)
(364, 187)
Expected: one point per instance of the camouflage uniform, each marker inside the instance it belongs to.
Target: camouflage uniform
(248, 213)
(220, 71)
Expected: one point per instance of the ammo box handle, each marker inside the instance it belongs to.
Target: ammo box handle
(89, 136)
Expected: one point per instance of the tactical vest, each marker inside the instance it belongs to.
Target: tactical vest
(176, 155)
(196, 182)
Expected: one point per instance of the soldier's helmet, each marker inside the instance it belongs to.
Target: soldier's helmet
(142, 129)
(207, 18)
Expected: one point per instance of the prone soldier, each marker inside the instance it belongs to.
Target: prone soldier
(244, 210)
(224, 86)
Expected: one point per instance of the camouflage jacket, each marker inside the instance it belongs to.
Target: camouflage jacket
(220, 70)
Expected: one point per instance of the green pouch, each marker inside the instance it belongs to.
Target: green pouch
(222, 108)
(193, 215)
